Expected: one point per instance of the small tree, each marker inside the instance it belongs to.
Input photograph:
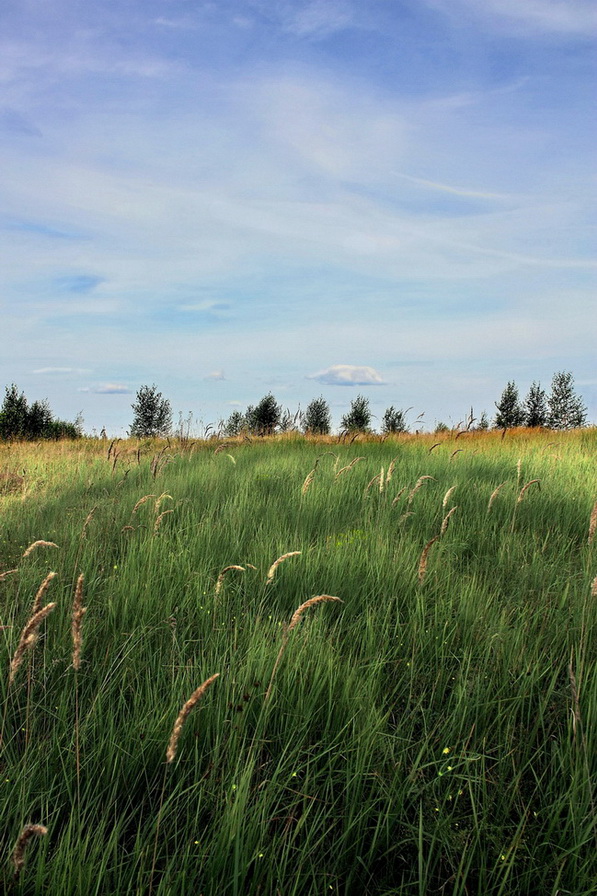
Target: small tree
(394, 420)
(510, 412)
(535, 406)
(13, 414)
(152, 414)
(566, 410)
(317, 420)
(265, 417)
(358, 418)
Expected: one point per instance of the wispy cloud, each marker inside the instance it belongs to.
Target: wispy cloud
(77, 370)
(107, 389)
(216, 375)
(574, 17)
(347, 375)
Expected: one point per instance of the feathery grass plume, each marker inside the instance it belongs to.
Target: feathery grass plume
(399, 495)
(296, 618)
(348, 466)
(18, 853)
(38, 544)
(518, 471)
(447, 496)
(220, 579)
(158, 521)
(222, 447)
(272, 570)
(9, 572)
(593, 523)
(594, 587)
(494, 495)
(454, 453)
(77, 622)
(370, 483)
(308, 480)
(28, 639)
(182, 716)
(446, 520)
(525, 487)
(576, 715)
(405, 516)
(416, 488)
(142, 501)
(390, 472)
(382, 480)
(88, 519)
(425, 558)
(41, 591)
(437, 444)
(158, 503)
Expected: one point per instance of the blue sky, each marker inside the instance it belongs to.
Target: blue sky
(387, 197)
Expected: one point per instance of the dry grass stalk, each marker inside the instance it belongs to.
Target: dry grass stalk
(424, 559)
(370, 483)
(399, 495)
(524, 488)
(446, 520)
(272, 570)
(405, 516)
(348, 466)
(18, 853)
(28, 639)
(296, 618)
(519, 471)
(454, 453)
(38, 544)
(494, 495)
(9, 572)
(576, 716)
(37, 601)
(308, 480)
(222, 447)
(88, 519)
(220, 579)
(382, 479)
(158, 522)
(416, 488)
(158, 503)
(593, 523)
(142, 501)
(390, 472)
(182, 716)
(448, 495)
(436, 445)
(77, 623)
(594, 587)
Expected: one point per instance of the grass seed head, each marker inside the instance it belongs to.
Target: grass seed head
(18, 853)
(424, 559)
(272, 570)
(37, 602)
(593, 523)
(182, 716)
(77, 622)
(38, 544)
(28, 639)
(220, 579)
(296, 616)
(494, 495)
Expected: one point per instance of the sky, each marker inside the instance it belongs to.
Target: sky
(393, 198)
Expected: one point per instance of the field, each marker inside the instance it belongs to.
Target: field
(433, 732)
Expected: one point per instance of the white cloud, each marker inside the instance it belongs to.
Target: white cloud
(348, 375)
(216, 375)
(109, 389)
(78, 370)
(547, 16)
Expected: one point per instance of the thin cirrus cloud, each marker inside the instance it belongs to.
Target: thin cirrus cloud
(107, 389)
(348, 375)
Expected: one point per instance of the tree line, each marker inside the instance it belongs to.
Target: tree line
(21, 420)
(561, 408)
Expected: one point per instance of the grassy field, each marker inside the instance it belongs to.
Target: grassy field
(434, 732)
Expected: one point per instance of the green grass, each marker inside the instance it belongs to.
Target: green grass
(421, 737)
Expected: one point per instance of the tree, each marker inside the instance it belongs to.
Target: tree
(235, 424)
(317, 420)
(565, 409)
(152, 414)
(510, 412)
(535, 406)
(264, 418)
(13, 414)
(358, 418)
(394, 420)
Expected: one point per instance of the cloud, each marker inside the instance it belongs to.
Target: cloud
(547, 16)
(78, 370)
(216, 375)
(111, 389)
(348, 375)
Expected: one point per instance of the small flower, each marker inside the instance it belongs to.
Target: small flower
(446, 750)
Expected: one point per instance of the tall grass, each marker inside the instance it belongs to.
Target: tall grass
(431, 733)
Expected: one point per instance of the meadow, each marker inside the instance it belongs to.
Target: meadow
(434, 730)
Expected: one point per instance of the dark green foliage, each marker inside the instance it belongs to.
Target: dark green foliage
(358, 418)
(535, 406)
(265, 417)
(565, 409)
(509, 409)
(317, 419)
(152, 414)
(235, 424)
(19, 420)
(394, 420)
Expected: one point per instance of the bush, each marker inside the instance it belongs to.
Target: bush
(394, 421)
(152, 414)
(318, 419)
(19, 420)
(358, 418)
